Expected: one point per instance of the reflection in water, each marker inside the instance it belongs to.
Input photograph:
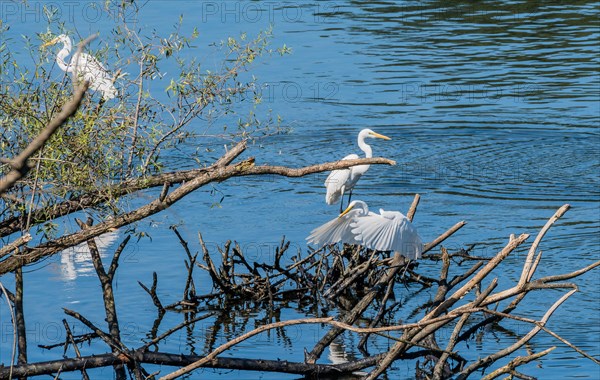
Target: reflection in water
(337, 353)
(77, 261)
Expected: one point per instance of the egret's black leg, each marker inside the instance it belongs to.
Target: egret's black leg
(349, 197)
(342, 204)
(407, 262)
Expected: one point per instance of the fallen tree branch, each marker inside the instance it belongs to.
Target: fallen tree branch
(177, 360)
(208, 358)
(216, 173)
(417, 334)
(429, 246)
(364, 278)
(528, 268)
(413, 207)
(94, 198)
(328, 166)
(14, 334)
(107, 292)
(70, 340)
(546, 330)
(357, 311)
(20, 318)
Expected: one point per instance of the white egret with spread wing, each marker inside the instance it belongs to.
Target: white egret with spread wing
(341, 181)
(386, 231)
(88, 68)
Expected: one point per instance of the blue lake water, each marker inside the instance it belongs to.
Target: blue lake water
(493, 110)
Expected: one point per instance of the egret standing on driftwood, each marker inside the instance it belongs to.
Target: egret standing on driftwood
(341, 181)
(88, 68)
(386, 231)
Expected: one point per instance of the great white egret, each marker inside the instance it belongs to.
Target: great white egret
(339, 182)
(88, 68)
(386, 231)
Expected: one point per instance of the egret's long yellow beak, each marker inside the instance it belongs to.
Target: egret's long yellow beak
(50, 43)
(346, 211)
(377, 135)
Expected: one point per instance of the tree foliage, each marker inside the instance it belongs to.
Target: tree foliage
(168, 102)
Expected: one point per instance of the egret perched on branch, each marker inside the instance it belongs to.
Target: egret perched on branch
(341, 181)
(88, 68)
(386, 231)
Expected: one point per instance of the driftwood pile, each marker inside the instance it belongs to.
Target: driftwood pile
(360, 284)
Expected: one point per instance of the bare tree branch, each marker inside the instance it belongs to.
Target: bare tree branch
(13, 247)
(179, 360)
(212, 174)
(100, 196)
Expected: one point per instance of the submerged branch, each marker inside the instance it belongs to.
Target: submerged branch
(176, 360)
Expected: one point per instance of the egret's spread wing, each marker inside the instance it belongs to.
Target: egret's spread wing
(408, 241)
(334, 231)
(337, 181)
(374, 232)
(390, 231)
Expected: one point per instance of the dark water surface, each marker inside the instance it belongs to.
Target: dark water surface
(493, 111)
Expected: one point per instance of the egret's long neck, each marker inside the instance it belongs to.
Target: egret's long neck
(60, 60)
(365, 147)
(365, 208)
(66, 50)
(362, 205)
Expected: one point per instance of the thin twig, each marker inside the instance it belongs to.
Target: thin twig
(176, 328)
(443, 236)
(71, 340)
